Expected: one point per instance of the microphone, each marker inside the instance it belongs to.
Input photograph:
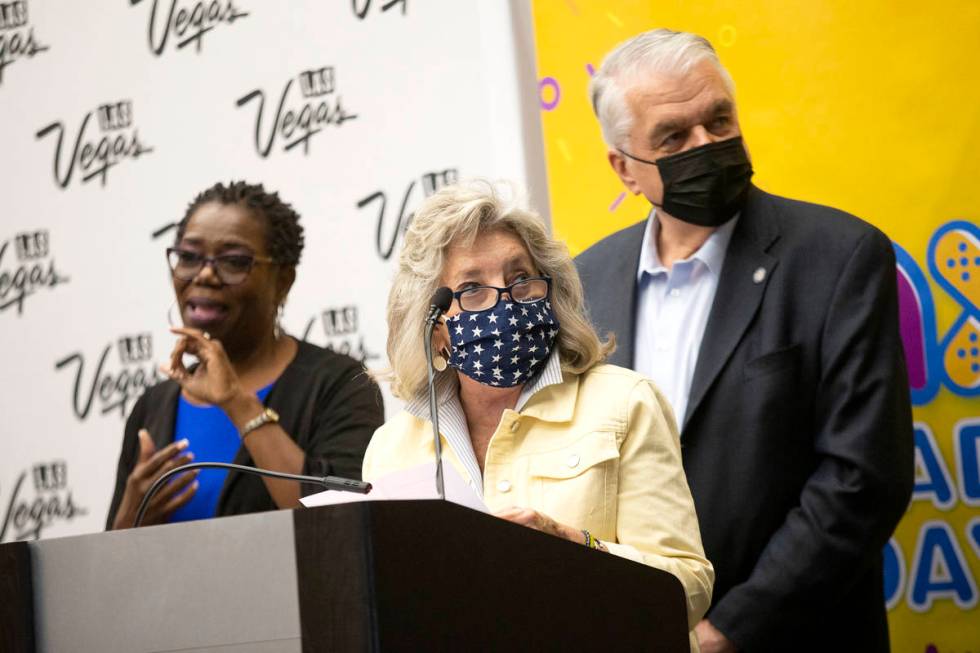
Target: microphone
(328, 482)
(442, 298)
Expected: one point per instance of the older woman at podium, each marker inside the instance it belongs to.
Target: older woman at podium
(529, 415)
(257, 396)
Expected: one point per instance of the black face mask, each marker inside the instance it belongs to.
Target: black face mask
(705, 185)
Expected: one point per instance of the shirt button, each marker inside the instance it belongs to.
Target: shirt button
(573, 460)
(516, 424)
(675, 292)
(504, 486)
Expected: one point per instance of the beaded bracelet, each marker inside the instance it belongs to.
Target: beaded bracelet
(592, 542)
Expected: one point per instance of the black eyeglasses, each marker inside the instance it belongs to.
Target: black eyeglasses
(482, 298)
(232, 269)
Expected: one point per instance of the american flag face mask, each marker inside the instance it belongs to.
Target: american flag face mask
(503, 346)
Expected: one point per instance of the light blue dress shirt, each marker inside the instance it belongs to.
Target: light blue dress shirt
(672, 307)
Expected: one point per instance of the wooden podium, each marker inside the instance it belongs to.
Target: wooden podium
(372, 576)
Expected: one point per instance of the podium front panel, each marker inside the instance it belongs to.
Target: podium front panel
(433, 576)
(229, 585)
(376, 576)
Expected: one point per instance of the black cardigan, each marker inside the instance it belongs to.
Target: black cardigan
(326, 402)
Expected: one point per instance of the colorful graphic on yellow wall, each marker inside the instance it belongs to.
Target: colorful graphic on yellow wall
(863, 106)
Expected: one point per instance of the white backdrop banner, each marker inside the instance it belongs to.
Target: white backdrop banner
(114, 114)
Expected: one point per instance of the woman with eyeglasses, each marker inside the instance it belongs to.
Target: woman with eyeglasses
(256, 395)
(529, 415)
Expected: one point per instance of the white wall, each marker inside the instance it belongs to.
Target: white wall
(440, 88)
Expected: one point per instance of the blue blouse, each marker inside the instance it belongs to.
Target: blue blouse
(213, 438)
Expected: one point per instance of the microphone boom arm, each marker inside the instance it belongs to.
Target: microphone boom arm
(430, 324)
(329, 482)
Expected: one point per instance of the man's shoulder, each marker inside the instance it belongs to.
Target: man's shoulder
(615, 244)
(805, 224)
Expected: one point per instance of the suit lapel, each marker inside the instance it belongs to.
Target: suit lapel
(738, 296)
(616, 308)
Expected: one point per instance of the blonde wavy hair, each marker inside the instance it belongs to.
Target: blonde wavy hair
(456, 215)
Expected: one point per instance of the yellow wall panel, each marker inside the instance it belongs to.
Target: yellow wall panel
(872, 107)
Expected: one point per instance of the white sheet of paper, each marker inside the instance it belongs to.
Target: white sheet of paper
(413, 483)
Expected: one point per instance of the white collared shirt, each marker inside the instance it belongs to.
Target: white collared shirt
(672, 307)
(452, 420)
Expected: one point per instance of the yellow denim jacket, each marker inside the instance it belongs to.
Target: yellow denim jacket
(596, 451)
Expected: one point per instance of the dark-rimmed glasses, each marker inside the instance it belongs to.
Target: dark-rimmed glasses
(232, 269)
(482, 298)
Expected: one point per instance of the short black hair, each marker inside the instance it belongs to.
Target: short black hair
(284, 234)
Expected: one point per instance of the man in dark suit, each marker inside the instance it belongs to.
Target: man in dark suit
(772, 326)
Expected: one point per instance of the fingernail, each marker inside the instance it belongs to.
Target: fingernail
(195, 485)
(182, 444)
(190, 455)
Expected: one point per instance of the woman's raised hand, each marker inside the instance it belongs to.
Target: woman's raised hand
(213, 381)
(152, 465)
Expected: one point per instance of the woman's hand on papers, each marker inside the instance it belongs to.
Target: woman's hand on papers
(539, 522)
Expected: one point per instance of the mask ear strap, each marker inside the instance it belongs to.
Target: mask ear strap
(635, 158)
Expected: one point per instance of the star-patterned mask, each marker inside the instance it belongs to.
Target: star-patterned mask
(503, 346)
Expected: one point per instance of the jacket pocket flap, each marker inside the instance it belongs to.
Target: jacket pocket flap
(573, 460)
(774, 361)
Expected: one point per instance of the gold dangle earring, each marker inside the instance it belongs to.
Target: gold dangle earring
(439, 361)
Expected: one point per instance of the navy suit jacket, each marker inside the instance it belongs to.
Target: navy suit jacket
(797, 441)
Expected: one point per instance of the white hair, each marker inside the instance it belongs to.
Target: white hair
(659, 50)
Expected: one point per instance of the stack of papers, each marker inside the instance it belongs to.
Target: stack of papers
(412, 483)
